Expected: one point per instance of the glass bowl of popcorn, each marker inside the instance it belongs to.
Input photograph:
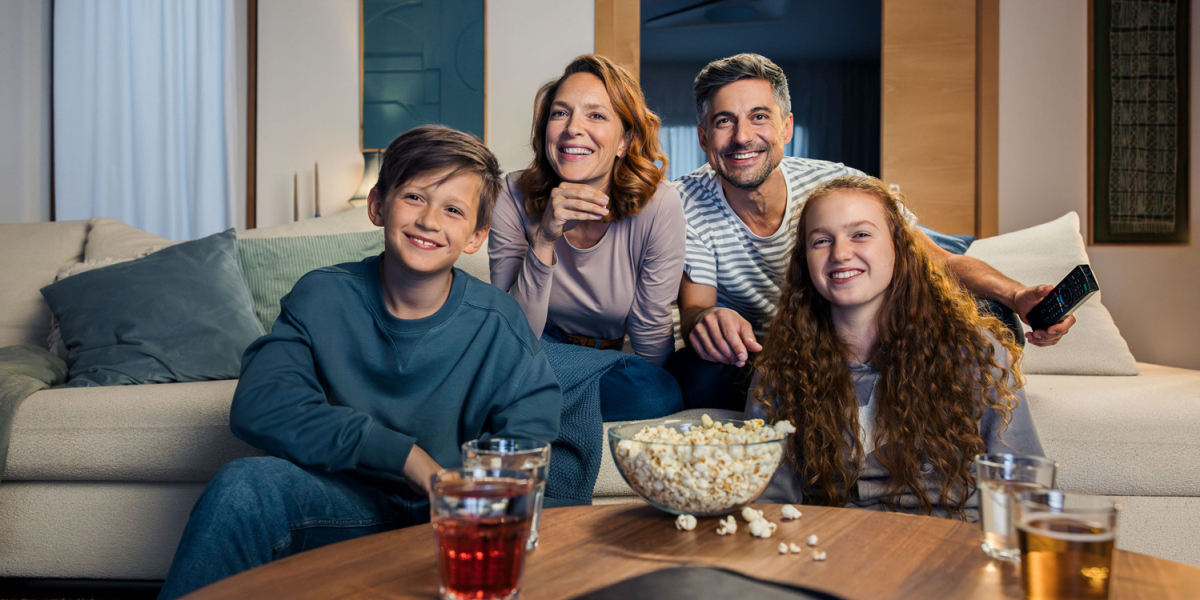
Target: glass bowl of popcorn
(703, 467)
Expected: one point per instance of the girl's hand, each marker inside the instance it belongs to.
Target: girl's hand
(569, 204)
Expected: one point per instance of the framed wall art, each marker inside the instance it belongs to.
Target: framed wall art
(1138, 142)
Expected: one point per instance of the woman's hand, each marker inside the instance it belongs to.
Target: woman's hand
(569, 203)
(419, 470)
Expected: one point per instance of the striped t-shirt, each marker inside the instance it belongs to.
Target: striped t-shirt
(722, 252)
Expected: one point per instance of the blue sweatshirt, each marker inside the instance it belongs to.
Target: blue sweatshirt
(342, 385)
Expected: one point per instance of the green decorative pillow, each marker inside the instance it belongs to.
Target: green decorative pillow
(273, 265)
(180, 314)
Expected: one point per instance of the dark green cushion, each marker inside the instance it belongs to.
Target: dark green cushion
(273, 265)
(180, 314)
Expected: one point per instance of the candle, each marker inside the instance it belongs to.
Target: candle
(296, 196)
(316, 191)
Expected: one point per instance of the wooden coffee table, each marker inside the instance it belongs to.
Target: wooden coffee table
(870, 555)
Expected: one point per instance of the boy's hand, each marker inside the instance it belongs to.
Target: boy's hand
(419, 470)
(569, 203)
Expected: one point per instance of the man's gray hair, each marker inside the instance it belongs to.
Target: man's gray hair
(720, 73)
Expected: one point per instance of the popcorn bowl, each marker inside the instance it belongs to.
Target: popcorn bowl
(702, 467)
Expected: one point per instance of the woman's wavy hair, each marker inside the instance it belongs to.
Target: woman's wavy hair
(938, 370)
(635, 176)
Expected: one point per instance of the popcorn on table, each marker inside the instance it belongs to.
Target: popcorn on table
(762, 528)
(818, 555)
(688, 471)
(727, 526)
(790, 513)
(812, 540)
(685, 522)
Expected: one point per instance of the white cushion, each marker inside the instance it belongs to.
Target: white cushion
(168, 432)
(354, 220)
(30, 256)
(476, 265)
(1128, 436)
(110, 239)
(1046, 253)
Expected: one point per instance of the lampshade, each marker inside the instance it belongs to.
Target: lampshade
(372, 160)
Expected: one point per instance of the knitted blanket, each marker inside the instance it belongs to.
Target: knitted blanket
(575, 455)
(23, 371)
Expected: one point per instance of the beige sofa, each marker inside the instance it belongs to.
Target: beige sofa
(100, 481)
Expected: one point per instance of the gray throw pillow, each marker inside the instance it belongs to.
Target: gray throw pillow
(180, 314)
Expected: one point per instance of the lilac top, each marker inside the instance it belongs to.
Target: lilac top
(624, 284)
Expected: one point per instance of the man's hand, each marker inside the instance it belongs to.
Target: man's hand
(1024, 300)
(419, 470)
(721, 335)
(986, 282)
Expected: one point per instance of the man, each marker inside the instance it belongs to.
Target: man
(738, 208)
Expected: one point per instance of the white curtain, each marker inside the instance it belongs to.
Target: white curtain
(145, 113)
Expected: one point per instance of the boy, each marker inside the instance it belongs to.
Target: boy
(374, 375)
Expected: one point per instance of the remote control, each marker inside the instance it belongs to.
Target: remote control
(1079, 285)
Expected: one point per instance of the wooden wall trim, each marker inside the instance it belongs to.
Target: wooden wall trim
(987, 120)
(619, 33)
(928, 108)
(251, 111)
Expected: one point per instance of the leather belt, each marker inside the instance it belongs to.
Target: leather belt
(582, 340)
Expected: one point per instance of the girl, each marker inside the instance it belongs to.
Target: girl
(889, 372)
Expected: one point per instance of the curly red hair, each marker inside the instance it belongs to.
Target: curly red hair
(938, 371)
(635, 176)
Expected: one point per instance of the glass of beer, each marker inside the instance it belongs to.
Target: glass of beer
(520, 454)
(1066, 542)
(481, 520)
(998, 478)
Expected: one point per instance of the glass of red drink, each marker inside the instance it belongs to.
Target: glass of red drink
(481, 519)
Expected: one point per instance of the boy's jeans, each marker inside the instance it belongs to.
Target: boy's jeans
(256, 510)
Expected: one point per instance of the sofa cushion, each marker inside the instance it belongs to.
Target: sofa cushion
(92, 530)
(272, 266)
(30, 256)
(354, 220)
(174, 432)
(180, 314)
(110, 239)
(1131, 436)
(1046, 253)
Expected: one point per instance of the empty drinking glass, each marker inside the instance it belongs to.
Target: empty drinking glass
(998, 478)
(520, 454)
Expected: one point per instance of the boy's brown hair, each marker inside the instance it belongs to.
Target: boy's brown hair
(436, 148)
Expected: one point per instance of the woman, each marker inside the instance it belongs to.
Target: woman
(590, 238)
(893, 379)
